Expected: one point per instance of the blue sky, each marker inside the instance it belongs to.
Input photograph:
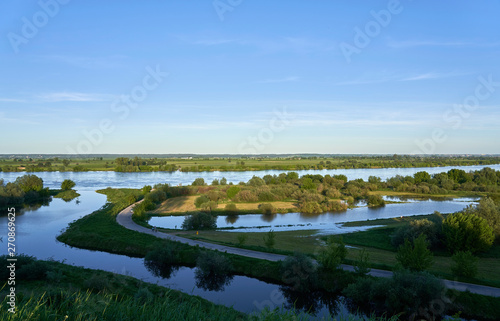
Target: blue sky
(231, 76)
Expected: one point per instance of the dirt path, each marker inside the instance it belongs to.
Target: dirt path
(124, 218)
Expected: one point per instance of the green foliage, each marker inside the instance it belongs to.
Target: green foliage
(410, 293)
(465, 231)
(27, 268)
(332, 255)
(267, 208)
(223, 181)
(199, 221)
(163, 260)
(361, 265)
(270, 239)
(29, 183)
(213, 271)
(256, 181)
(231, 208)
(416, 256)
(242, 238)
(465, 264)
(146, 189)
(488, 210)
(67, 184)
(431, 229)
(232, 191)
(375, 201)
(139, 210)
(67, 196)
(209, 206)
(199, 182)
(215, 182)
(299, 272)
(310, 207)
(307, 184)
(200, 200)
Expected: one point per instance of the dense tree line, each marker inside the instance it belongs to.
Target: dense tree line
(24, 190)
(318, 193)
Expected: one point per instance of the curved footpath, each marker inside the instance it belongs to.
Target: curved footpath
(124, 218)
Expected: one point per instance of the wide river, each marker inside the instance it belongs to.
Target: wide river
(37, 230)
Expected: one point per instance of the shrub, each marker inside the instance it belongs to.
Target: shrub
(270, 239)
(465, 264)
(232, 191)
(216, 195)
(146, 189)
(242, 238)
(415, 255)
(332, 255)
(310, 208)
(143, 296)
(209, 206)
(266, 196)
(375, 201)
(361, 264)
(199, 221)
(139, 210)
(256, 181)
(246, 196)
(267, 208)
(410, 293)
(332, 192)
(96, 283)
(299, 271)
(231, 208)
(67, 184)
(199, 182)
(156, 196)
(414, 229)
(200, 200)
(467, 232)
(336, 206)
(163, 260)
(213, 271)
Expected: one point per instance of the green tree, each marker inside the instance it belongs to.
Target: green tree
(299, 272)
(223, 181)
(242, 238)
(232, 191)
(29, 183)
(465, 231)
(416, 256)
(331, 256)
(270, 239)
(422, 177)
(67, 184)
(464, 264)
(66, 162)
(488, 210)
(199, 182)
(361, 264)
(199, 221)
(375, 201)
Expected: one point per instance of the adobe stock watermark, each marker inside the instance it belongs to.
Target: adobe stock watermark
(224, 6)
(122, 108)
(31, 27)
(373, 28)
(256, 144)
(456, 115)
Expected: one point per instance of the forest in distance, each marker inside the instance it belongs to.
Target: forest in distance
(207, 163)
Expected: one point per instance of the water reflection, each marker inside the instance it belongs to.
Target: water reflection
(268, 217)
(164, 271)
(231, 219)
(212, 281)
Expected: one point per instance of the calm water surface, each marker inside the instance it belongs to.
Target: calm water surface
(37, 229)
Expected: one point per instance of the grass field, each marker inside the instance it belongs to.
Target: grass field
(376, 242)
(237, 163)
(183, 204)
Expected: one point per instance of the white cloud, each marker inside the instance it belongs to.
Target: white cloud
(429, 43)
(74, 96)
(279, 80)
